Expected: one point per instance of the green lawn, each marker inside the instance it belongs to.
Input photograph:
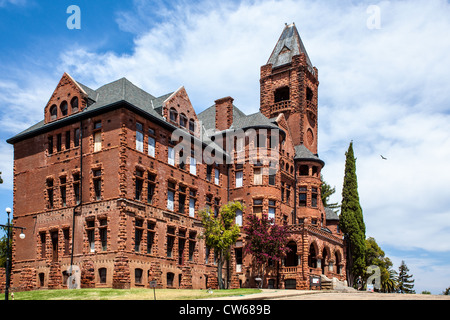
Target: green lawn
(127, 294)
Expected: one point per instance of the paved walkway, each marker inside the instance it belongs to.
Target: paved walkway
(279, 294)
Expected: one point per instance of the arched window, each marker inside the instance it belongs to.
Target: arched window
(74, 104)
(173, 115)
(191, 125)
(312, 257)
(53, 112)
(64, 108)
(183, 120)
(291, 256)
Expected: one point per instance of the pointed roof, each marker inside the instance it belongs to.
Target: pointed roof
(289, 44)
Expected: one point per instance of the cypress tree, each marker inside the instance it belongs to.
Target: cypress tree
(351, 220)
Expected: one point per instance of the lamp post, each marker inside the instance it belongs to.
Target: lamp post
(8, 227)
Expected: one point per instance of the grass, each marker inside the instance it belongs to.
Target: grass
(128, 294)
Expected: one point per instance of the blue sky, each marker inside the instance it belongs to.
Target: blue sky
(384, 88)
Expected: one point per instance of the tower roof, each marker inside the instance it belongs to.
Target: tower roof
(289, 44)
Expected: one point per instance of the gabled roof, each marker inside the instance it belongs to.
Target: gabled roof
(289, 44)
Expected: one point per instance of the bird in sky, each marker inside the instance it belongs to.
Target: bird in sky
(383, 157)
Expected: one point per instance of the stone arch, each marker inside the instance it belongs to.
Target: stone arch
(291, 259)
(326, 256)
(313, 254)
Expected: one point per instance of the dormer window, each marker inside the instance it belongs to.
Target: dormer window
(74, 104)
(64, 108)
(53, 112)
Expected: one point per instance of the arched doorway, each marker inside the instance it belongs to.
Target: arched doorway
(291, 256)
(312, 256)
(324, 259)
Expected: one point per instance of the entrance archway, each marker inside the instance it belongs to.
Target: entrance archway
(312, 256)
(291, 256)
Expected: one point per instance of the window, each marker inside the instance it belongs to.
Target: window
(97, 181)
(50, 193)
(191, 125)
(62, 190)
(239, 144)
(139, 183)
(216, 176)
(66, 235)
(58, 142)
(150, 236)
(239, 178)
(53, 112)
(304, 170)
(181, 160)
(193, 166)
(314, 198)
(151, 146)
(76, 188)
(257, 176)
(183, 120)
(151, 184)
(192, 236)
(97, 136)
(208, 172)
(138, 275)
(50, 145)
(207, 252)
(272, 176)
(302, 197)
(90, 230)
(173, 114)
(74, 104)
(281, 94)
(170, 196)
(139, 137)
(208, 201)
(170, 277)
(171, 156)
(257, 207)
(216, 207)
(102, 275)
(64, 108)
(192, 202)
(43, 238)
(238, 217)
(76, 139)
(138, 232)
(67, 140)
(272, 209)
(181, 199)
(181, 243)
(54, 237)
(103, 230)
(170, 241)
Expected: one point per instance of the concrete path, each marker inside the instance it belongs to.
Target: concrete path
(279, 294)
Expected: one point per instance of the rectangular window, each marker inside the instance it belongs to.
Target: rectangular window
(193, 166)
(314, 197)
(76, 188)
(138, 232)
(102, 275)
(77, 135)
(50, 145)
(43, 244)
(54, 237)
(272, 208)
(257, 207)
(151, 146)
(103, 230)
(91, 239)
(139, 183)
(151, 185)
(58, 142)
(239, 217)
(139, 137)
(208, 172)
(67, 140)
(272, 176)
(66, 235)
(181, 199)
(192, 207)
(191, 247)
(97, 181)
(171, 156)
(97, 141)
(171, 196)
(50, 193)
(62, 190)
(216, 176)
(239, 178)
(302, 197)
(150, 236)
(170, 241)
(257, 176)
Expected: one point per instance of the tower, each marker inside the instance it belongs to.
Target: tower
(288, 85)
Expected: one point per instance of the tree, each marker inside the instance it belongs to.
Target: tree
(3, 244)
(326, 191)
(405, 283)
(351, 220)
(375, 256)
(220, 233)
(446, 292)
(265, 241)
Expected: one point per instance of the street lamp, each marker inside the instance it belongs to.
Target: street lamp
(8, 227)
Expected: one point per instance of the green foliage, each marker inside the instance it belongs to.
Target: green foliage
(220, 232)
(3, 243)
(426, 292)
(405, 281)
(446, 292)
(375, 256)
(326, 191)
(351, 220)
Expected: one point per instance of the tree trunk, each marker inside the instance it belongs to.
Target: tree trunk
(219, 270)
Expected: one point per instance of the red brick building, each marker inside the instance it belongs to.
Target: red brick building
(102, 183)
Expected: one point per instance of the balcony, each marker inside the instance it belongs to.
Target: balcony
(281, 106)
(310, 106)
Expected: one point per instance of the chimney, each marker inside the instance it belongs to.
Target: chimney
(224, 113)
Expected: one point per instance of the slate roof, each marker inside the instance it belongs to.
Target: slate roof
(331, 214)
(289, 44)
(303, 153)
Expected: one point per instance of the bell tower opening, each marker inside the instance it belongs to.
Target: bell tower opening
(281, 94)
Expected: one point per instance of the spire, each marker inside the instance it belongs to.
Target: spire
(289, 45)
